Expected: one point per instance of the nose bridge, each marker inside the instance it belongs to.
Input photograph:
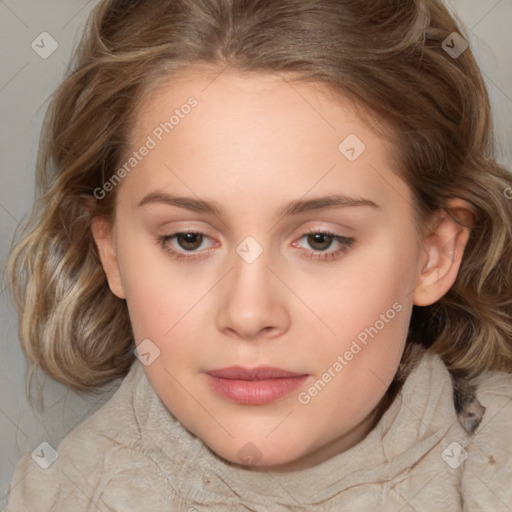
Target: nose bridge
(251, 301)
(251, 277)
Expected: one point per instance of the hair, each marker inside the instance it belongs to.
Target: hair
(385, 55)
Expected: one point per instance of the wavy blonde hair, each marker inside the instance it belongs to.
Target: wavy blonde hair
(385, 55)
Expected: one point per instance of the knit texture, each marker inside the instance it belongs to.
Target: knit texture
(132, 455)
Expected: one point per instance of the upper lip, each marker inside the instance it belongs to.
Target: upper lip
(257, 373)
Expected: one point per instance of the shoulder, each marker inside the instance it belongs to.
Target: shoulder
(95, 464)
(487, 474)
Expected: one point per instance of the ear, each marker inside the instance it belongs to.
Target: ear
(103, 234)
(444, 247)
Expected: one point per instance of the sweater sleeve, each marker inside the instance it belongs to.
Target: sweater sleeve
(487, 477)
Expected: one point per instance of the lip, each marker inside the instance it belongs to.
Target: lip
(254, 386)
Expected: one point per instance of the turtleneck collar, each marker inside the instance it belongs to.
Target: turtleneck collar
(416, 421)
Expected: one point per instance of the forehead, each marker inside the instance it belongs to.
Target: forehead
(256, 133)
(243, 96)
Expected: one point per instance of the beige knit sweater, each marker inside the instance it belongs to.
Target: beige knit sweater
(132, 455)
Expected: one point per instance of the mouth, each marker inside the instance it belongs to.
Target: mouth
(254, 386)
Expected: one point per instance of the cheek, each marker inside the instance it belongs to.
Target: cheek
(365, 285)
(355, 368)
(148, 302)
(367, 309)
(158, 293)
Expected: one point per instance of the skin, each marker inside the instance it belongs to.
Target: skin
(253, 144)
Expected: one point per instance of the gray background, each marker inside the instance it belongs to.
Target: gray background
(26, 82)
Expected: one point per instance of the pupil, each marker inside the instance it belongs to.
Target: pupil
(188, 238)
(317, 239)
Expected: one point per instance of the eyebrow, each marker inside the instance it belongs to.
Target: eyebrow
(293, 208)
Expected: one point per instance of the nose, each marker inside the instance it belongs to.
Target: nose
(253, 301)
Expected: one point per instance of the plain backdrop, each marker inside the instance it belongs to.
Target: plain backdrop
(26, 82)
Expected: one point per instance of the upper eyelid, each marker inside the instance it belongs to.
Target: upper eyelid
(302, 232)
(322, 229)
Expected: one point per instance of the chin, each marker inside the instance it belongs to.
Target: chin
(258, 454)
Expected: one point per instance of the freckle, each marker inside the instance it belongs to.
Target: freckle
(492, 460)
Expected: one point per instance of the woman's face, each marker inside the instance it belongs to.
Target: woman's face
(249, 168)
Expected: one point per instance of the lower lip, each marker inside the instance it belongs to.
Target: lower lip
(257, 392)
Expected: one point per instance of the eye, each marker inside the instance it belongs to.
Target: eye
(189, 241)
(322, 240)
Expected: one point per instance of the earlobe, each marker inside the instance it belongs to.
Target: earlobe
(445, 248)
(104, 237)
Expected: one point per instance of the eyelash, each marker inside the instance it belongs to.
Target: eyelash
(346, 243)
